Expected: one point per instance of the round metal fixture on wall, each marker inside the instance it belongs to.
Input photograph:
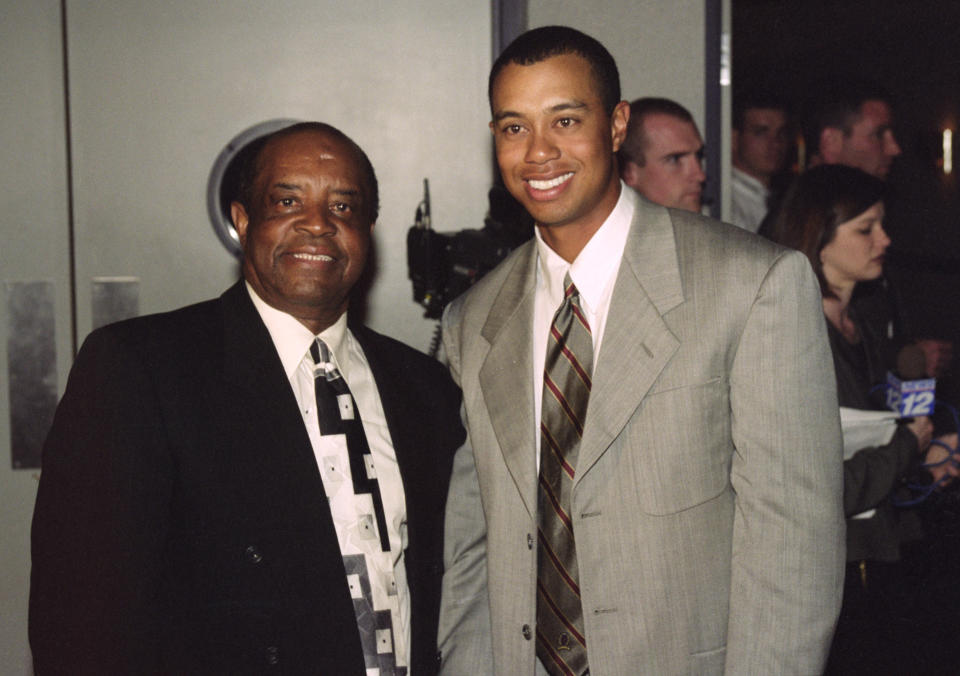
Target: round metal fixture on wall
(224, 179)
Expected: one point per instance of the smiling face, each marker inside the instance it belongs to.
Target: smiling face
(306, 232)
(671, 173)
(555, 146)
(855, 254)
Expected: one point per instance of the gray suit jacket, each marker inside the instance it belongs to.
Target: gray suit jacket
(707, 499)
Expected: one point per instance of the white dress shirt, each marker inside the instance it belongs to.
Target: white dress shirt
(594, 273)
(748, 200)
(293, 340)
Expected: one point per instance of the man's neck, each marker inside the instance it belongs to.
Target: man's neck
(569, 239)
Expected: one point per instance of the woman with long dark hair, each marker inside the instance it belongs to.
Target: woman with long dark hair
(834, 214)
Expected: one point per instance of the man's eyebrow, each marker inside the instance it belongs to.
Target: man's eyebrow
(346, 192)
(683, 153)
(287, 186)
(556, 108)
(567, 105)
(503, 114)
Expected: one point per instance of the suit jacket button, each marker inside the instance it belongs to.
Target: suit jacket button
(529, 541)
(273, 655)
(527, 634)
(253, 554)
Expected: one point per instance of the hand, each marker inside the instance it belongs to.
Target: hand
(937, 354)
(922, 428)
(943, 472)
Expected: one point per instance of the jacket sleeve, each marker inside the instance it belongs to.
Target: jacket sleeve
(464, 635)
(100, 520)
(870, 475)
(788, 543)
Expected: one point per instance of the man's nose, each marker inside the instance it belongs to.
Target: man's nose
(317, 220)
(541, 148)
(890, 146)
(697, 173)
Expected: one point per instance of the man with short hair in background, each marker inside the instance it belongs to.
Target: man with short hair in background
(852, 125)
(758, 151)
(662, 155)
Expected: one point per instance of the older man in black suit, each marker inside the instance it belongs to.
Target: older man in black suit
(251, 483)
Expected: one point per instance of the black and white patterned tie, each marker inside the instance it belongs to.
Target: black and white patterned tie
(561, 643)
(337, 413)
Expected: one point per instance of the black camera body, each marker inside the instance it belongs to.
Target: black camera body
(444, 265)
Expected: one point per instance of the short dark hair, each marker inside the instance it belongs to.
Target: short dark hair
(754, 100)
(249, 159)
(838, 106)
(542, 43)
(633, 146)
(817, 202)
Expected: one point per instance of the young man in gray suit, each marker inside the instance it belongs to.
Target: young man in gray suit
(699, 496)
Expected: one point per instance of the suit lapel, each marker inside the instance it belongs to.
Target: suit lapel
(252, 364)
(637, 344)
(506, 378)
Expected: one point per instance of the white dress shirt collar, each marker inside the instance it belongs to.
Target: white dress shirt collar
(595, 267)
(292, 339)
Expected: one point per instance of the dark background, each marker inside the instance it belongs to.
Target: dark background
(911, 48)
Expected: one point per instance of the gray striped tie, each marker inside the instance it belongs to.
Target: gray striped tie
(561, 645)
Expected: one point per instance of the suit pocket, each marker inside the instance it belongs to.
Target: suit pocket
(709, 662)
(680, 447)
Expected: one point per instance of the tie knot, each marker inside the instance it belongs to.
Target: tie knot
(322, 363)
(569, 288)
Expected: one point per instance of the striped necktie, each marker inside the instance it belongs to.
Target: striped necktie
(561, 645)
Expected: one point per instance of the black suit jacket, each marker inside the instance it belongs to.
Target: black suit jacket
(181, 524)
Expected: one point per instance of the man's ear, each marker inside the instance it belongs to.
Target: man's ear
(831, 142)
(629, 172)
(238, 214)
(618, 124)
